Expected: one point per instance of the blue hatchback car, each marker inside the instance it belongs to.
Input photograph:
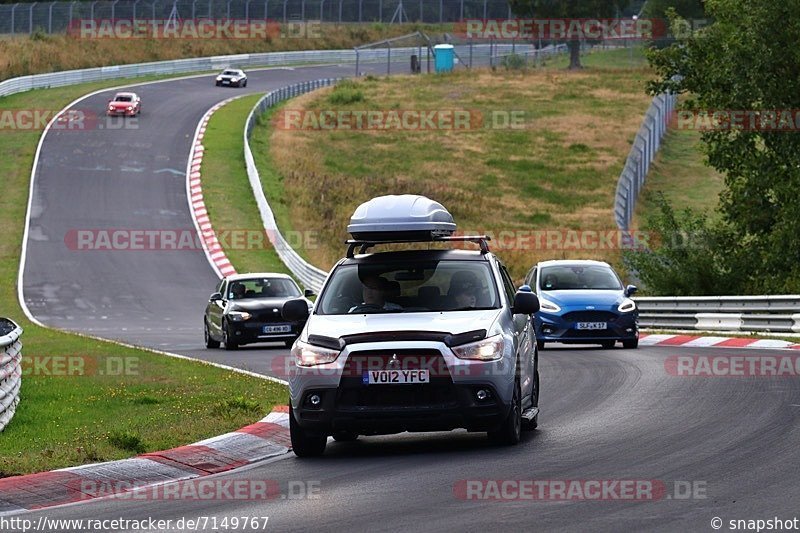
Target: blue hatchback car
(583, 302)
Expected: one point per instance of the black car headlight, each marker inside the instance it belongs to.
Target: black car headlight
(239, 316)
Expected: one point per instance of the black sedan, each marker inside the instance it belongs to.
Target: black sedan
(247, 308)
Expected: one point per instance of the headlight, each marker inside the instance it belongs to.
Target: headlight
(489, 349)
(130, 108)
(239, 316)
(548, 307)
(626, 306)
(219, 78)
(309, 355)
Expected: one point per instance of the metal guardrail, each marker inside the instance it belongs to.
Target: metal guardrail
(10, 371)
(55, 17)
(645, 147)
(777, 314)
(179, 66)
(309, 275)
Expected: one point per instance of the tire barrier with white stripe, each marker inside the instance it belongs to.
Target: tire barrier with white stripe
(309, 275)
(776, 314)
(10, 369)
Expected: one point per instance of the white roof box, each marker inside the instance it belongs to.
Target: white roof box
(406, 217)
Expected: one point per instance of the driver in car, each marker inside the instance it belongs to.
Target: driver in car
(464, 289)
(374, 291)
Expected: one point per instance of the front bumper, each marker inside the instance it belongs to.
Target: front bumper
(121, 113)
(378, 410)
(563, 328)
(448, 401)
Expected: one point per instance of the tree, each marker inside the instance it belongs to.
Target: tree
(569, 9)
(747, 61)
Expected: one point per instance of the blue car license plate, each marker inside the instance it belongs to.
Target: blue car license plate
(591, 325)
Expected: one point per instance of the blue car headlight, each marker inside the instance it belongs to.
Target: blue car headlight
(548, 307)
(627, 306)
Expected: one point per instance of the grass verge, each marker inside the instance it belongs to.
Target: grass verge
(679, 171)
(226, 190)
(39, 53)
(142, 401)
(558, 172)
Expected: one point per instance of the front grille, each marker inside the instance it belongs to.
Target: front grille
(589, 333)
(590, 316)
(268, 316)
(440, 393)
(360, 362)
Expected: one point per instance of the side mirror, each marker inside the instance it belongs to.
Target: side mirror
(308, 293)
(525, 288)
(525, 303)
(630, 290)
(295, 310)
(215, 297)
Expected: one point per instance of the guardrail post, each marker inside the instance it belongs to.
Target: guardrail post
(30, 18)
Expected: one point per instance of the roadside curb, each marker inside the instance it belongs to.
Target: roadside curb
(697, 341)
(265, 439)
(197, 207)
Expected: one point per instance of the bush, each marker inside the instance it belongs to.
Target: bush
(514, 62)
(346, 92)
(126, 440)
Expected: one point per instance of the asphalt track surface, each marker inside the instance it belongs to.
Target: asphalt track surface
(606, 414)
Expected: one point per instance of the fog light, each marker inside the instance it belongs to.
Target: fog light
(547, 331)
(315, 400)
(482, 395)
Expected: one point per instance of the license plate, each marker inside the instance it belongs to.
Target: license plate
(395, 377)
(591, 325)
(278, 329)
(225, 82)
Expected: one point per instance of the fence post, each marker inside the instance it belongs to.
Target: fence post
(30, 18)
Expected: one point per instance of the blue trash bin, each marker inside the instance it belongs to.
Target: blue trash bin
(445, 57)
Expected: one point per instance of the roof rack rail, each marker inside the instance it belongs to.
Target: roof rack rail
(481, 240)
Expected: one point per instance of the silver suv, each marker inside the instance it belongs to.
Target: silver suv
(413, 340)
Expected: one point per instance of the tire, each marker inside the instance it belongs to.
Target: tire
(630, 344)
(303, 444)
(245, 83)
(528, 425)
(608, 345)
(218, 84)
(540, 345)
(210, 342)
(229, 345)
(510, 432)
(345, 436)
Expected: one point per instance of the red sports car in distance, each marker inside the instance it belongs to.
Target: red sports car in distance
(125, 104)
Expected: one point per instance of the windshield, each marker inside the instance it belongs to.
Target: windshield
(123, 99)
(230, 73)
(262, 288)
(407, 287)
(578, 277)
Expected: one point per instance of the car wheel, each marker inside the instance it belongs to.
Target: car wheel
(229, 344)
(304, 444)
(534, 422)
(510, 431)
(608, 344)
(245, 83)
(540, 345)
(631, 343)
(210, 342)
(218, 84)
(345, 436)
